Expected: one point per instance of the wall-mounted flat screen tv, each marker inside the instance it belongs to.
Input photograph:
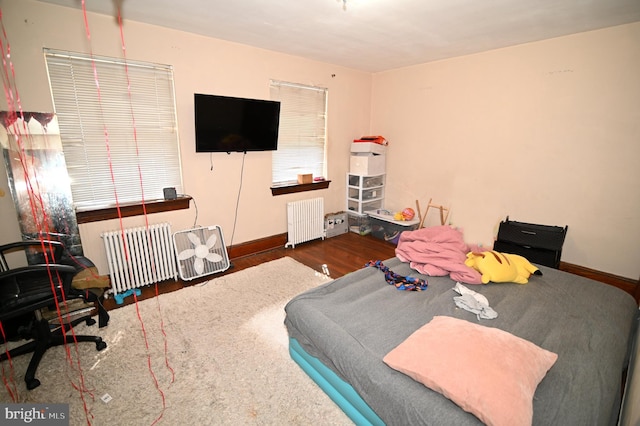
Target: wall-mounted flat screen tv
(229, 124)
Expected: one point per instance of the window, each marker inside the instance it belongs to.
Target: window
(303, 131)
(146, 152)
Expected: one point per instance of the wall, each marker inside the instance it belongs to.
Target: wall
(202, 65)
(546, 132)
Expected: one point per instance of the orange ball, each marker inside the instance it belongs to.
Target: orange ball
(408, 213)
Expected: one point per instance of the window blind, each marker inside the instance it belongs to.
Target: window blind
(99, 135)
(302, 134)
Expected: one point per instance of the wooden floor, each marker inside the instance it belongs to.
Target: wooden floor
(341, 254)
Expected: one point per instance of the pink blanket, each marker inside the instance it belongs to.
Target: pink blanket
(437, 251)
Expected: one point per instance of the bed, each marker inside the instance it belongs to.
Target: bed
(341, 332)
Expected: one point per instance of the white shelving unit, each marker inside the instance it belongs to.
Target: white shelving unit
(364, 193)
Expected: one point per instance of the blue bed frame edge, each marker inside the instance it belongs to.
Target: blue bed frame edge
(337, 389)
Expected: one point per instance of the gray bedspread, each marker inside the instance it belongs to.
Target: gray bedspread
(351, 323)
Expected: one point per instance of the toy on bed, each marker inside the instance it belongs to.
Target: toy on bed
(501, 267)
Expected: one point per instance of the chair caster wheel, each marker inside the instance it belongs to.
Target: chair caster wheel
(101, 345)
(32, 384)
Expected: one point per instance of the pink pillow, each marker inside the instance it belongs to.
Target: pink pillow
(486, 371)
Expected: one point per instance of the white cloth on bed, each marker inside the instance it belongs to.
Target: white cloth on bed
(472, 301)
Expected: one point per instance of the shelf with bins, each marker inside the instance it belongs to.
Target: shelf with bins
(364, 193)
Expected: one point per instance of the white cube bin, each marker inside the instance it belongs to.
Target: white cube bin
(367, 164)
(368, 147)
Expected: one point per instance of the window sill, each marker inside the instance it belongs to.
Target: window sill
(133, 209)
(298, 187)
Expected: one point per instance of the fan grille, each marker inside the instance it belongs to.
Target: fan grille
(192, 245)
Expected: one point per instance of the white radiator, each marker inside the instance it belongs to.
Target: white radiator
(305, 221)
(140, 256)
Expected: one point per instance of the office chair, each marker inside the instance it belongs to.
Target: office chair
(57, 253)
(25, 291)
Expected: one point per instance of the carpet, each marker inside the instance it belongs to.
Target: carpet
(226, 345)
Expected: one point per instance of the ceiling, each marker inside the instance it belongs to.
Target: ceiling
(374, 35)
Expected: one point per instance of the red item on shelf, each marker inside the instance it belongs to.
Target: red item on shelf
(373, 139)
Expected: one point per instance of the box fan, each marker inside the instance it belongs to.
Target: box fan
(200, 252)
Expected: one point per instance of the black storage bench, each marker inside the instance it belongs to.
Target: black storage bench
(541, 244)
